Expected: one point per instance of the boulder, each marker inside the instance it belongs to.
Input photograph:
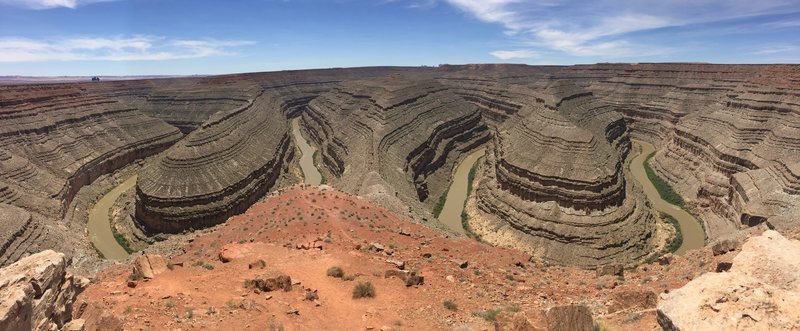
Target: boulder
(610, 270)
(414, 279)
(761, 291)
(37, 293)
(233, 251)
(724, 246)
(75, 325)
(148, 266)
(270, 281)
(569, 318)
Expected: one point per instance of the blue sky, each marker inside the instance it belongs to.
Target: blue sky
(182, 37)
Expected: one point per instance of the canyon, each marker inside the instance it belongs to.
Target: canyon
(554, 184)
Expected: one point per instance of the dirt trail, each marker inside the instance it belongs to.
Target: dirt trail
(99, 227)
(693, 235)
(310, 171)
(457, 194)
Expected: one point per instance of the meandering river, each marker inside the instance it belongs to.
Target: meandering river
(457, 194)
(693, 235)
(99, 225)
(310, 171)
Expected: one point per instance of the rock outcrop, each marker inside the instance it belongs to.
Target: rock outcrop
(760, 292)
(36, 293)
(393, 138)
(727, 134)
(54, 140)
(218, 170)
(554, 183)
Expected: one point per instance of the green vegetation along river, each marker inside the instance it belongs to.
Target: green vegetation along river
(99, 225)
(310, 171)
(692, 231)
(457, 194)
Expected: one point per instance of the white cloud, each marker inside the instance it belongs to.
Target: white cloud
(135, 48)
(518, 54)
(775, 49)
(603, 28)
(49, 4)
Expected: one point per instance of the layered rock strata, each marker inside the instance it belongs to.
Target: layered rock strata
(37, 293)
(218, 170)
(738, 160)
(390, 138)
(554, 183)
(761, 291)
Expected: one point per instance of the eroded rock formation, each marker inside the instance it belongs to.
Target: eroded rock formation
(218, 170)
(394, 137)
(37, 293)
(760, 292)
(554, 182)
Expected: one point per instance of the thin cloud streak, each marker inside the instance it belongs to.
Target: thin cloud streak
(517, 54)
(49, 4)
(604, 26)
(135, 48)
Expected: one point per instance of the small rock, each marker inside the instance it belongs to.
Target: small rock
(404, 232)
(462, 264)
(75, 325)
(724, 266)
(450, 278)
(397, 263)
(414, 279)
(724, 246)
(376, 247)
(666, 259)
(132, 283)
(610, 270)
(260, 264)
(270, 282)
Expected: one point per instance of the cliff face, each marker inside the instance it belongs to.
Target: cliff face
(393, 137)
(554, 183)
(37, 293)
(728, 134)
(218, 170)
(54, 140)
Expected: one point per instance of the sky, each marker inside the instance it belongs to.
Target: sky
(188, 37)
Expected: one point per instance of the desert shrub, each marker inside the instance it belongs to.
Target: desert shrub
(363, 290)
(450, 305)
(335, 272)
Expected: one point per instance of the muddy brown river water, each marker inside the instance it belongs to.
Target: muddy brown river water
(99, 226)
(310, 171)
(693, 235)
(457, 194)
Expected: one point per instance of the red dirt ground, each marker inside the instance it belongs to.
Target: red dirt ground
(207, 294)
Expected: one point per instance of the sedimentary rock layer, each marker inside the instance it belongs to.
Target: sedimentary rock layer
(554, 183)
(218, 170)
(393, 137)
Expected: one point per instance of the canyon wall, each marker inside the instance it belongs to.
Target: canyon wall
(555, 184)
(394, 138)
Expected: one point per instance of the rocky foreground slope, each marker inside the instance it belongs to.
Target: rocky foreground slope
(421, 278)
